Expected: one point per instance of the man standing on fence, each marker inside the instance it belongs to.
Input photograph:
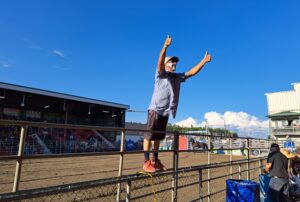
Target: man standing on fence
(164, 102)
(277, 166)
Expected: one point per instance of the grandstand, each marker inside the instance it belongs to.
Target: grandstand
(31, 104)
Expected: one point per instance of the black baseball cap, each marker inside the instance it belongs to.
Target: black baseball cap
(274, 145)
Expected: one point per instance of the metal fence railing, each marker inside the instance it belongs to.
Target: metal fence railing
(193, 175)
(286, 131)
(134, 187)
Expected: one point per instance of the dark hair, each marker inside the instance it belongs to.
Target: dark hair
(274, 147)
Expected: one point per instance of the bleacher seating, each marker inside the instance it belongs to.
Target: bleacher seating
(56, 141)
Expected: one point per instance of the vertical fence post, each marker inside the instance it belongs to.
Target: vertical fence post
(260, 166)
(260, 146)
(248, 158)
(208, 170)
(200, 185)
(240, 174)
(260, 158)
(128, 190)
(230, 145)
(122, 146)
(175, 167)
(23, 135)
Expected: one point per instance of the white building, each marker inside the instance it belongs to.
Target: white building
(284, 114)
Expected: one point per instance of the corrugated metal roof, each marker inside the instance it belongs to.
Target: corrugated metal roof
(59, 95)
(296, 87)
(284, 100)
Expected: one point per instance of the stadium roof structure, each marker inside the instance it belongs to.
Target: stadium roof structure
(60, 95)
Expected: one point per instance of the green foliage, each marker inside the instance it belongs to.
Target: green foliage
(212, 131)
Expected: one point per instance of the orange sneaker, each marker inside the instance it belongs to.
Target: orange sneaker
(148, 167)
(159, 166)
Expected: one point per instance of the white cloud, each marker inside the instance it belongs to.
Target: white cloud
(244, 124)
(239, 120)
(35, 46)
(4, 63)
(31, 44)
(59, 53)
(188, 123)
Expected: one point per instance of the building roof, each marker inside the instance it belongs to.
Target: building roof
(133, 125)
(290, 115)
(60, 95)
(287, 91)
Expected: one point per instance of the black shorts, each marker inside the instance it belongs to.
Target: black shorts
(158, 123)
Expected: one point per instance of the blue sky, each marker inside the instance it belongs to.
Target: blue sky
(108, 50)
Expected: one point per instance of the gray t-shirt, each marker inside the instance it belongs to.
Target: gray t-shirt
(279, 165)
(165, 96)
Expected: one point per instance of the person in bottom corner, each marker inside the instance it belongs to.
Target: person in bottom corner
(277, 167)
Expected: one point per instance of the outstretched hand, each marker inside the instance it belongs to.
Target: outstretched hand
(207, 57)
(168, 41)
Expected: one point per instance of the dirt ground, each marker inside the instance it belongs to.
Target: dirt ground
(37, 173)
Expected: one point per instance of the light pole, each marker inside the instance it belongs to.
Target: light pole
(206, 126)
(225, 132)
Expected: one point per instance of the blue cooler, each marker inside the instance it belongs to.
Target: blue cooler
(242, 191)
(264, 181)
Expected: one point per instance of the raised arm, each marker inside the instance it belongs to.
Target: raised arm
(162, 55)
(198, 67)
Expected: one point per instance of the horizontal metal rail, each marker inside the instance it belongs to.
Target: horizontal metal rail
(44, 156)
(174, 172)
(104, 128)
(150, 194)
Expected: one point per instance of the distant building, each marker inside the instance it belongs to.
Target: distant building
(134, 134)
(284, 114)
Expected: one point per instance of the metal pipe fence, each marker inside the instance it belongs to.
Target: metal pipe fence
(286, 131)
(201, 182)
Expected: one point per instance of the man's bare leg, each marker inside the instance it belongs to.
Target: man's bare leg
(147, 147)
(148, 166)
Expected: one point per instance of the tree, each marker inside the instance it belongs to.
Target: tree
(213, 131)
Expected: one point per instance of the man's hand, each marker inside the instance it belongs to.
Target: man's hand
(162, 55)
(207, 57)
(198, 67)
(168, 41)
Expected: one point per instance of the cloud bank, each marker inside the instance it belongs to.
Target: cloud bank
(242, 123)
